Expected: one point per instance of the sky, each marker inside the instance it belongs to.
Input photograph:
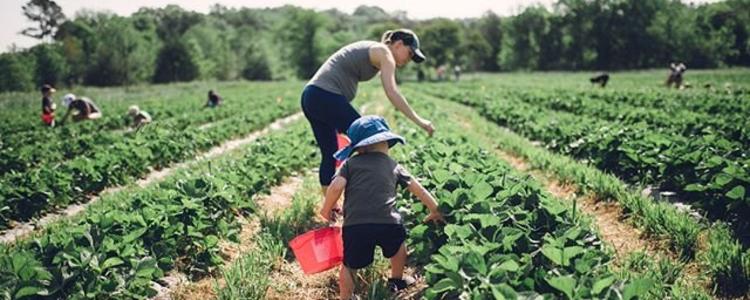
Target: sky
(14, 21)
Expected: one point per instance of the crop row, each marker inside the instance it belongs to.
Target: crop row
(27, 195)
(49, 145)
(129, 240)
(707, 170)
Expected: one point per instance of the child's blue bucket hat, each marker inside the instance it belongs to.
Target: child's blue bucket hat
(368, 130)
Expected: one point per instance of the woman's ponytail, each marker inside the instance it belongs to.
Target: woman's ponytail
(386, 39)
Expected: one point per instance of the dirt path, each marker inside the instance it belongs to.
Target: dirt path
(21, 230)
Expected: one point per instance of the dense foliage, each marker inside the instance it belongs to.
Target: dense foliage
(172, 44)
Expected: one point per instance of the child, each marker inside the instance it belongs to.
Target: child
(48, 106)
(369, 182)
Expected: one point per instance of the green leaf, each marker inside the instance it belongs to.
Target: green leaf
(553, 253)
(481, 191)
(476, 261)
(496, 293)
(444, 285)
(211, 241)
(418, 230)
(722, 179)
(695, 187)
(441, 176)
(28, 291)
(571, 252)
(737, 193)
(461, 231)
(601, 284)
(504, 291)
(111, 262)
(509, 265)
(565, 284)
(637, 288)
(485, 220)
(450, 263)
(552, 206)
(134, 235)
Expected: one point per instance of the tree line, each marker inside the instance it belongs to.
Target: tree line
(159, 45)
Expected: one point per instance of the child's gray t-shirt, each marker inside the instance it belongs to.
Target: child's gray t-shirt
(370, 194)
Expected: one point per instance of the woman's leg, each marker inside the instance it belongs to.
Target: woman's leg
(325, 135)
(328, 113)
(326, 138)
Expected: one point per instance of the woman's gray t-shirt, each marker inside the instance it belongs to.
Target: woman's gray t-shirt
(342, 72)
(370, 193)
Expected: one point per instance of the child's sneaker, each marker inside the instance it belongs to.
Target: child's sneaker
(396, 285)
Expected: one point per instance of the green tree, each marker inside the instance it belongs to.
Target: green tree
(211, 43)
(51, 67)
(176, 62)
(123, 54)
(16, 73)
(78, 41)
(300, 38)
(441, 41)
(257, 66)
(490, 27)
(527, 30)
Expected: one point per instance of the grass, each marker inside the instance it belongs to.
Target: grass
(248, 277)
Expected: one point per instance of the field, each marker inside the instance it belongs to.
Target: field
(552, 188)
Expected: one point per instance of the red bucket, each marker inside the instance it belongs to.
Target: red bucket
(318, 250)
(342, 141)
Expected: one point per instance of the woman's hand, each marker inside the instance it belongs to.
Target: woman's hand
(427, 126)
(435, 216)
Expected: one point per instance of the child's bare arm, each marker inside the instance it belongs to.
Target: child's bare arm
(426, 198)
(333, 193)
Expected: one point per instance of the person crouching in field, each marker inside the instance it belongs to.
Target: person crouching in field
(82, 108)
(48, 106)
(139, 116)
(601, 79)
(369, 182)
(214, 99)
(675, 75)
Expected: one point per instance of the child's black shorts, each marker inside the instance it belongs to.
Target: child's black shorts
(360, 241)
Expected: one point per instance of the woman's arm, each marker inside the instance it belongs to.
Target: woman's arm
(382, 56)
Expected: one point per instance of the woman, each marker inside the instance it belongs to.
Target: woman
(214, 99)
(326, 98)
(84, 108)
(140, 117)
